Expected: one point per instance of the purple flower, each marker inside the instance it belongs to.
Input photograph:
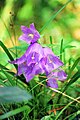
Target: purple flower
(30, 35)
(29, 71)
(52, 83)
(50, 61)
(29, 64)
(37, 60)
(33, 54)
(54, 76)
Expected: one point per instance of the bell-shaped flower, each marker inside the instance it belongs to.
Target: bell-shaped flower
(50, 61)
(29, 71)
(29, 64)
(54, 76)
(33, 54)
(30, 35)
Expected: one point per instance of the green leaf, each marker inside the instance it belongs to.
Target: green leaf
(13, 95)
(16, 111)
(51, 40)
(68, 46)
(73, 67)
(74, 78)
(7, 52)
(61, 49)
(3, 67)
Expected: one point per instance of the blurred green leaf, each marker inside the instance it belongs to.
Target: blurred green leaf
(53, 16)
(13, 95)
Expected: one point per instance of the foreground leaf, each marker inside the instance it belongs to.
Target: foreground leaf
(13, 94)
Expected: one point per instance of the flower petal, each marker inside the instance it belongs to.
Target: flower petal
(33, 57)
(61, 75)
(29, 74)
(25, 38)
(35, 48)
(32, 26)
(19, 60)
(22, 68)
(24, 29)
(52, 83)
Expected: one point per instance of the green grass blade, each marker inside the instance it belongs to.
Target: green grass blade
(14, 112)
(10, 78)
(69, 67)
(7, 52)
(73, 79)
(73, 67)
(65, 95)
(72, 116)
(53, 16)
(57, 117)
(51, 40)
(61, 49)
(2, 83)
(3, 67)
(68, 46)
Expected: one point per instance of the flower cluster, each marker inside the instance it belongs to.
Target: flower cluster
(38, 60)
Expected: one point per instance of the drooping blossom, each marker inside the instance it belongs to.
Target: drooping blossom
(33, 54)
(29, 71)
(30, 35)
(50, 61)
(38, 60)
(29, 64)
(53, 77)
